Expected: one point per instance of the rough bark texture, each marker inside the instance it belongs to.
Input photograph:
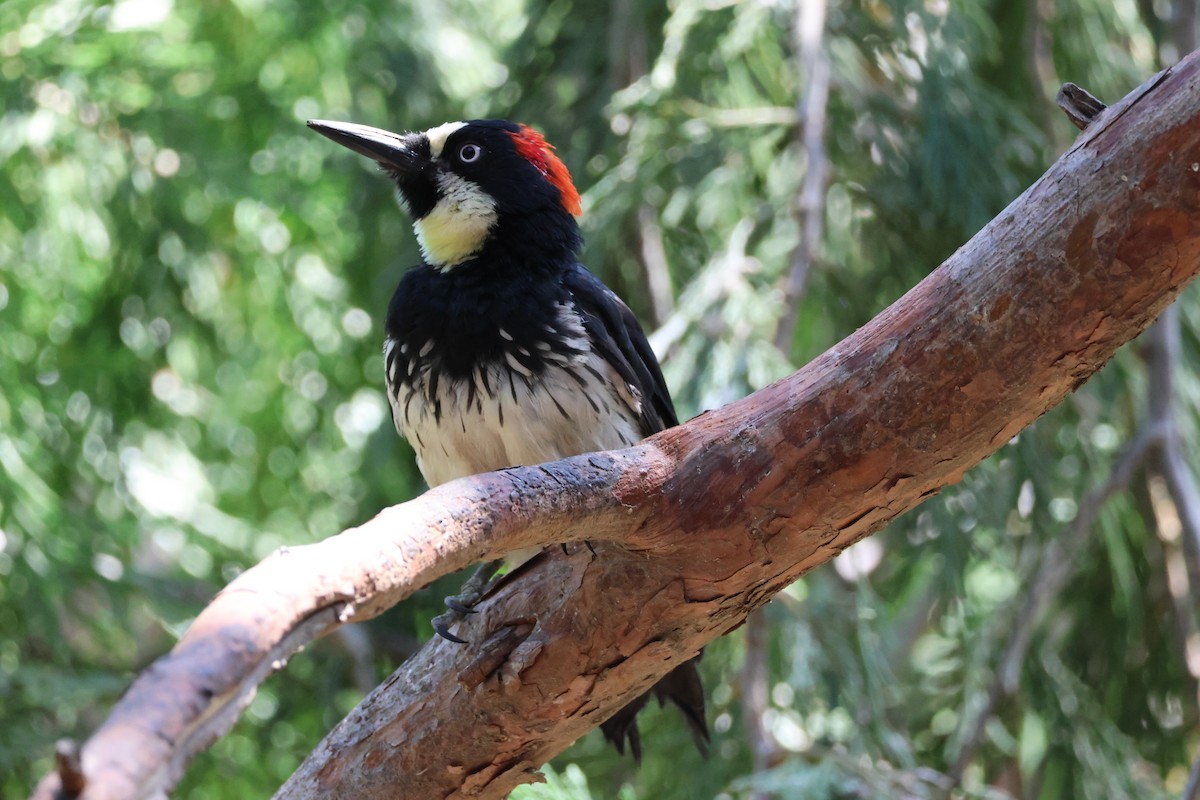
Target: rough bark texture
(762, 490)
(714, 516)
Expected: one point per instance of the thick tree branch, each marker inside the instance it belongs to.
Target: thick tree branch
(712, 517)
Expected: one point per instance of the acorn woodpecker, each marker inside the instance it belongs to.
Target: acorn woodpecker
(501, 348)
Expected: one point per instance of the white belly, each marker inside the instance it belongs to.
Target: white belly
(520, 421)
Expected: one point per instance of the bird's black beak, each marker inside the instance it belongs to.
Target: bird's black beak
(395, 151)
(404, 156)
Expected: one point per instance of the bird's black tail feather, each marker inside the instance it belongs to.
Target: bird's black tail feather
(683, 688)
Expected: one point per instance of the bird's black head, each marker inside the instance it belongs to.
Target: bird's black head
(466, 184)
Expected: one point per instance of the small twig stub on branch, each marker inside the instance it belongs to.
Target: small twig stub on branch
(68, 759)
(1080, 105)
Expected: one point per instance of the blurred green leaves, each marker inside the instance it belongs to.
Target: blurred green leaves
(191, 288)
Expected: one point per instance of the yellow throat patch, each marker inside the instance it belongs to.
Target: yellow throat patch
(458, 225)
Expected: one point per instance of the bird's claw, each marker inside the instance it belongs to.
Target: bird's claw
(458, 610)
(462, 604)
(442, 623)
(455, 604)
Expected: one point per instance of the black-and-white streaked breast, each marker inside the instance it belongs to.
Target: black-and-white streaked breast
(537, 402)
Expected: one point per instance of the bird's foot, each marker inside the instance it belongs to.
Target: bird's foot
(455, 603)
(443, 621)
(460, 605)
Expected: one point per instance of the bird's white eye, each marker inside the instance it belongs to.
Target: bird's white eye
(469, 153)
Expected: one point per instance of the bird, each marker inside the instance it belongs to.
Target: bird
(501, 349)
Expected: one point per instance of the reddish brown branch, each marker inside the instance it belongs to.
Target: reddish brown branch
(1060, 559)
(714, 516)
(193, 695)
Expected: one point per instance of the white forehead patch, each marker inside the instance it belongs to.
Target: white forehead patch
(438, 136)
(458, 225)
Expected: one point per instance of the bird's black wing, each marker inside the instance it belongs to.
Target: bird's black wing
(617, 336)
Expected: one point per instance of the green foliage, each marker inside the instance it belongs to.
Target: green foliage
(191, 288)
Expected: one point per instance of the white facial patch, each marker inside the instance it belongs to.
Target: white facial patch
(437, 136)
(459, 224)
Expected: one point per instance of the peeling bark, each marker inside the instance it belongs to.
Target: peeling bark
(703, 523)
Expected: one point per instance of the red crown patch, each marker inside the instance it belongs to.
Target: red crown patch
(534, 148)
